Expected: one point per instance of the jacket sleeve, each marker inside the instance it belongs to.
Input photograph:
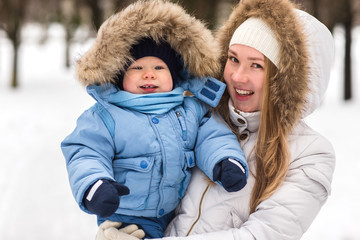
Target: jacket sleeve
(88, 152)
(216, 142)
(289, 212)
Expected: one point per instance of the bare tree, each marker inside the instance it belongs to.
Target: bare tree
(12, 14)
(348, 24)
(120, 4)
(96, 11)
(343, 12)
(202, 9)
(15, 13)
(70, 18)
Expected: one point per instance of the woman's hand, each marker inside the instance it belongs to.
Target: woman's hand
(109, 230)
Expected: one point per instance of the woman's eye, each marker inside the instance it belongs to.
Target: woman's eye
(255, 65)
(233, 59)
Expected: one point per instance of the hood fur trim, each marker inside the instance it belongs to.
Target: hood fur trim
(289, 88)
(158, 19)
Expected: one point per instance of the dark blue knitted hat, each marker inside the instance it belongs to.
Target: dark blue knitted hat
(148, 47)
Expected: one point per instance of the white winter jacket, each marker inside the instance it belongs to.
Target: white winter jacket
(209, 212)
(287, 214)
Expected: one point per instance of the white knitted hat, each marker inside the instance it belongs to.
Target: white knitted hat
(255, 33)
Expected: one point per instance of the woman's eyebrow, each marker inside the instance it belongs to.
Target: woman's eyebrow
(249, 58)
(232, 52)
(256, 59)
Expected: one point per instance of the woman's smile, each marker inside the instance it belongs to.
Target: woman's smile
(242, 92)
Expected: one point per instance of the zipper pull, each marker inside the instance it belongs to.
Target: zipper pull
(182, 125)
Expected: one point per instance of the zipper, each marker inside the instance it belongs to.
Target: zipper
(182, 125)
(199, 213)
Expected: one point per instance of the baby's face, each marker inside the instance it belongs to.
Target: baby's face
(148, 75)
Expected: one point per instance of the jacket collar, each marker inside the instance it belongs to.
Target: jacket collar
(244, 120)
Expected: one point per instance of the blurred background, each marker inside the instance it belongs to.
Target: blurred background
(89, 14)
(40, 101)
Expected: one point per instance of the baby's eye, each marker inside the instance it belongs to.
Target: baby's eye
(136, 67)
(159, 67)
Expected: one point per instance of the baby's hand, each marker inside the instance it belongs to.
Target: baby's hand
(102, 198)
(231, 174)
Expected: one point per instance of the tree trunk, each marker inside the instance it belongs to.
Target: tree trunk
(315, 8)
(14, 36)
(14, 19)
(14, 79)
(67, 47)
(347, 68)
(203, 9)
(97, 15)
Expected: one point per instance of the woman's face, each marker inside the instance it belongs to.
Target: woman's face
(244, 75)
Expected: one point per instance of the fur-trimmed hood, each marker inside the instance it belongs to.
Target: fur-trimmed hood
(306, 54)
(159, 20)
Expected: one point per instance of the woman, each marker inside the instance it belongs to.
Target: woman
(277, 62)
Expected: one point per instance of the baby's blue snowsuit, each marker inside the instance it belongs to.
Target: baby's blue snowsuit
(151, 153)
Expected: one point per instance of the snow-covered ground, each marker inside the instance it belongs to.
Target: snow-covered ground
(35, 198)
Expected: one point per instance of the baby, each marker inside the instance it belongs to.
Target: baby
(130, 156)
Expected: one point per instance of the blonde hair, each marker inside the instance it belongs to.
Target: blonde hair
(271, 148)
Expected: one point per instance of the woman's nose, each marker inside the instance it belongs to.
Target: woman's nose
(239, 75)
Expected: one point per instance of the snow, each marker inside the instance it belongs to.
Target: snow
(35, 197)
